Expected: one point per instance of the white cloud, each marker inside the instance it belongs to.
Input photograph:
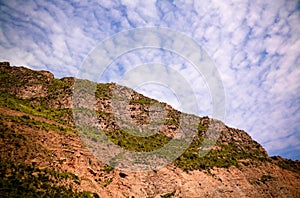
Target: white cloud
(254, 44)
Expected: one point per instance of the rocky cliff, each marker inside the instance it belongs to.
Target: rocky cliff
(44, 152)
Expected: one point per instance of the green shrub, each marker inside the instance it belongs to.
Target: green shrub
(168, 195)
(108, 169)
(265, 178)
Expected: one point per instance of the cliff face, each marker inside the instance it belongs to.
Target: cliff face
(42, 151)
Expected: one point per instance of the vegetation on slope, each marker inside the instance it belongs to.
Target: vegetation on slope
(20, 179)
(189, 160)
(25, 105)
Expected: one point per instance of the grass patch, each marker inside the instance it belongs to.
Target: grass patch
(40, 125)
(20, 180)
(226, 156)
(23, 105)
(103, 90)
(58, 84)
(134, 143)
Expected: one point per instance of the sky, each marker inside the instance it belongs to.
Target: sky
(254, 45)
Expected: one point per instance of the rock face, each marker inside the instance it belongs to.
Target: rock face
(45, 151)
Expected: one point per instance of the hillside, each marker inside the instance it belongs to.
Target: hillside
(44, 152)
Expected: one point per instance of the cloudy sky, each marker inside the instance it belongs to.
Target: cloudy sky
(255, 46)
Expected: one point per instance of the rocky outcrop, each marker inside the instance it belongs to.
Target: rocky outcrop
(38, 132)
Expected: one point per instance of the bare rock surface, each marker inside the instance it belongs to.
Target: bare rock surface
(38, 129)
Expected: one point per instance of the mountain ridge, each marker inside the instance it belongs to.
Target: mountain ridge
(36, 111)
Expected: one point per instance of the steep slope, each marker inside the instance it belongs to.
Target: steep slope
(43, 153)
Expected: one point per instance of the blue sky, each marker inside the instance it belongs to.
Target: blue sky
(255, 46)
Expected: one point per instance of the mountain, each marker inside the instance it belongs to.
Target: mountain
(49, 149)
